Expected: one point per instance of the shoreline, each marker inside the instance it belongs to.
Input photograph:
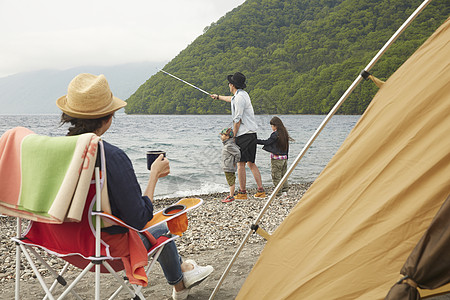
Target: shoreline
(215, 231)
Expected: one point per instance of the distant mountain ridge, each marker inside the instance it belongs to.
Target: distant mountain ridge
(299, 56)
(36, 92)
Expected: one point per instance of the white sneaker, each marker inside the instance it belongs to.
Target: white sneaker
(197, 275)
(181, 295)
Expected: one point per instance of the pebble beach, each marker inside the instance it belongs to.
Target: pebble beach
(215, 232)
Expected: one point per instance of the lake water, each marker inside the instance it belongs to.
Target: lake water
(194, 148)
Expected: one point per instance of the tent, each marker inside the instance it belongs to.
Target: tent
(353, 230)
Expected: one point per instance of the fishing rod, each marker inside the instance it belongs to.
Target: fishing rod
(185, 82)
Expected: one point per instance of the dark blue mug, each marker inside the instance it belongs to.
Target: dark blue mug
(152, 155)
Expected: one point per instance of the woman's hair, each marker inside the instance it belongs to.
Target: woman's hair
(80, 126)
(283, 135)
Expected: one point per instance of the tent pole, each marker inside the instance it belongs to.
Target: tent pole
(397, 34)
(316, 134)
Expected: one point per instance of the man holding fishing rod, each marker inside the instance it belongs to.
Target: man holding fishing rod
(244, 126)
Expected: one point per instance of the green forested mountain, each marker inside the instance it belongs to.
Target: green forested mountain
(299, 56)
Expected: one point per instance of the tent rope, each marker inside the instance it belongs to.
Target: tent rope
(407, 280)
(379, 83)
(366, 75)
(260, 231)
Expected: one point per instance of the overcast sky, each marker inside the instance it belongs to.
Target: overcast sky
(61, 34)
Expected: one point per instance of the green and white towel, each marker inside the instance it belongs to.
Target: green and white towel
(45, 178)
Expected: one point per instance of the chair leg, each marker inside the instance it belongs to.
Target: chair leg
(139, 295)
(79, 277)
(58, 277)
(97, 280)
(36, 272)
(58, 280)
(149, 268)
(119, 280)
(114, 295)
(18, 259)
(26, 250)
(55, 282)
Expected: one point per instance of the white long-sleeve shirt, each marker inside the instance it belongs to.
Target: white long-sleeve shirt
(242, 110)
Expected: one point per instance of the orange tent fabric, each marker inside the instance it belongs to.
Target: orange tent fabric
(353, 230)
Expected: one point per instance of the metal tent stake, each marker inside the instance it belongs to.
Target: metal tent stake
(317, 132)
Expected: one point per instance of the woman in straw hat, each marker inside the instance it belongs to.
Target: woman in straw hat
(89, 107)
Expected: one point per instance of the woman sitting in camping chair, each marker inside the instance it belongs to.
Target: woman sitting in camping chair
(89, 106)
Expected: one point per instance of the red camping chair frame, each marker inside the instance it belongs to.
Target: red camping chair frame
(101, 261)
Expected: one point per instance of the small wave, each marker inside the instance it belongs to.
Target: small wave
(207, 188)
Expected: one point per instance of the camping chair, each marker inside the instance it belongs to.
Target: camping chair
(79, 243)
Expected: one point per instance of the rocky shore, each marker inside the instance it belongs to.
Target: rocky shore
(215, 231)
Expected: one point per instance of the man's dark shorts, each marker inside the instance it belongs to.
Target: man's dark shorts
(247, 144)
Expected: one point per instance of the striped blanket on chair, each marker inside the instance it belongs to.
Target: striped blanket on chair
(45, 178)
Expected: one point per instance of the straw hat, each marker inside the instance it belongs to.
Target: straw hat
(89, 97)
